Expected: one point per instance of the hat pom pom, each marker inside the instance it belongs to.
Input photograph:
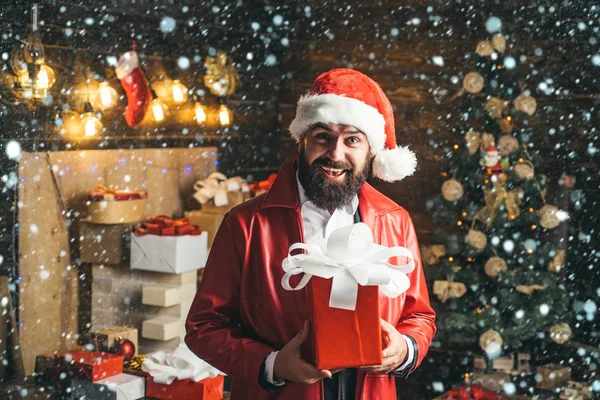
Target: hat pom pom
(395, 164)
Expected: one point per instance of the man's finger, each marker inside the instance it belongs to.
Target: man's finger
(386, 326)
(300, 336)
(390, 351)
(325, 373)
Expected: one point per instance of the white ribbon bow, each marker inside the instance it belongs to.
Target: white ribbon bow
(351, 258)
(181, 364)
(216, 187)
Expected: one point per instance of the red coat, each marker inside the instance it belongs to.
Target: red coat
(241, 313)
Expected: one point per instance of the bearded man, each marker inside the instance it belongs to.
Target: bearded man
(244, 322)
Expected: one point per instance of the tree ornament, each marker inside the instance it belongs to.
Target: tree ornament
(445, 290)
(123, 347)
(495, 266)
(561, 333)
(524, 170)
(221, 76)
(431, 254)
(495, 107)
(492, 162)
(476, 239)
(499, 42)
(484, 48)
(473, 140)
(507, 145)
(473, 82)
(136, 87)
(487, 140)
(505, 125)
(452, 190)
(558, 262)
(491, 342)
(529, 289)
(526, 104)
(548, 216)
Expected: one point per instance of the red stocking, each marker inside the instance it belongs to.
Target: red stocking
(136, 87)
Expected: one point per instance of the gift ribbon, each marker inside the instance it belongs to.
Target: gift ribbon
(103, 193)
(216, 186)
(181, 364)
(165, 226)
(263, 185)
(445, 290)
(494, 198)
(350, 258)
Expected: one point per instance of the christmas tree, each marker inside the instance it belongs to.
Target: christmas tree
(495, 272)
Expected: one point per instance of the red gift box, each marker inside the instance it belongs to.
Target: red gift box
(343, 338)
(91, 365)
(165, 226)
(207, 389)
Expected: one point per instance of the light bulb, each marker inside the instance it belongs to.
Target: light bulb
(225, 115)
(200, 113)
(41, 81)
(106, 96)
(178, 92)
(158, 110)
(91, 125)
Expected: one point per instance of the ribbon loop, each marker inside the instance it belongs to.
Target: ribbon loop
(350, 258)
(181, 364)
(216, 186)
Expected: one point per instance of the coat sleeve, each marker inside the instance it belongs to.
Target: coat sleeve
(213, 327)
(418, 318)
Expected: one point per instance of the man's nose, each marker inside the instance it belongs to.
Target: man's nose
(336, 149)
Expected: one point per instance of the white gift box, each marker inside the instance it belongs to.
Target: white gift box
(170, 254)
(117, 387)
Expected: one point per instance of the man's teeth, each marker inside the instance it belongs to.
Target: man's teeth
(332, 169)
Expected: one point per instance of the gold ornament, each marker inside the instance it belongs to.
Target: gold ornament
(495, 107)
(445, 290)
(221, 78)
(452, 190)
(505, 125)
(473, 82)
(529, 289)
(499, 42)
(507, 145)
(431, 254)
(476, 239)
(487, 139)
(135, 363)
(561, 333)
(526, 104)
(524, 170)
(484, 48)
(494, 198)
(548, 216)
(558, 262)
(491, 342)
(495, 266)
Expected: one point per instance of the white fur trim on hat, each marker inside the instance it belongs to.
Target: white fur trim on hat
(339, 109)
(127, 63)
(395, 164)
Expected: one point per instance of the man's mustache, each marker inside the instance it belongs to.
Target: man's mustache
(326, 162)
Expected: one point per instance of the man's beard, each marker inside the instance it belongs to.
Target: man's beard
(326, 194)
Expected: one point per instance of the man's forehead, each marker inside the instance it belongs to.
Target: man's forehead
(333, 127)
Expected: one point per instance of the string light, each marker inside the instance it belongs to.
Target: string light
(179, 92)
(225, 115)
(464, 213)
(533, 226)
(91, 124)
(531, 210)
(459, 223)
(106, 96)
(444, 174)
(200, 113)
(469, 259)
(509, 118)
(455, 146)
(450, 259)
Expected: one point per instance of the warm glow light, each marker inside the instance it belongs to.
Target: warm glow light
(91, 125)
(200, 113)
(531, 210)
(225, 115)
(464, 214)
(533, 226)
(459, 223)
(106, 96)
(450, 259)
(455, 146)
(520, 160)
(178, 92)
(509, 118)
(487, 181)
(511, 216)
(469, 259)
(44, 80)
(444, 174)
(158, 110)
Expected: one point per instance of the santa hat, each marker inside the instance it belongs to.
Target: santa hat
(492, 149)
(345, 96)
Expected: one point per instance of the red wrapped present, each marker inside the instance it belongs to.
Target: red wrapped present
(263, 186)
(473, 392)
(206, 389)
(90, 365)
(346, 272)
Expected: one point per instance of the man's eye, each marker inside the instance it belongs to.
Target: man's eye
(353, 140)
(322, 136)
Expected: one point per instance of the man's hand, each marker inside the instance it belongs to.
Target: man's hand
(394, 353)
(291, 367)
